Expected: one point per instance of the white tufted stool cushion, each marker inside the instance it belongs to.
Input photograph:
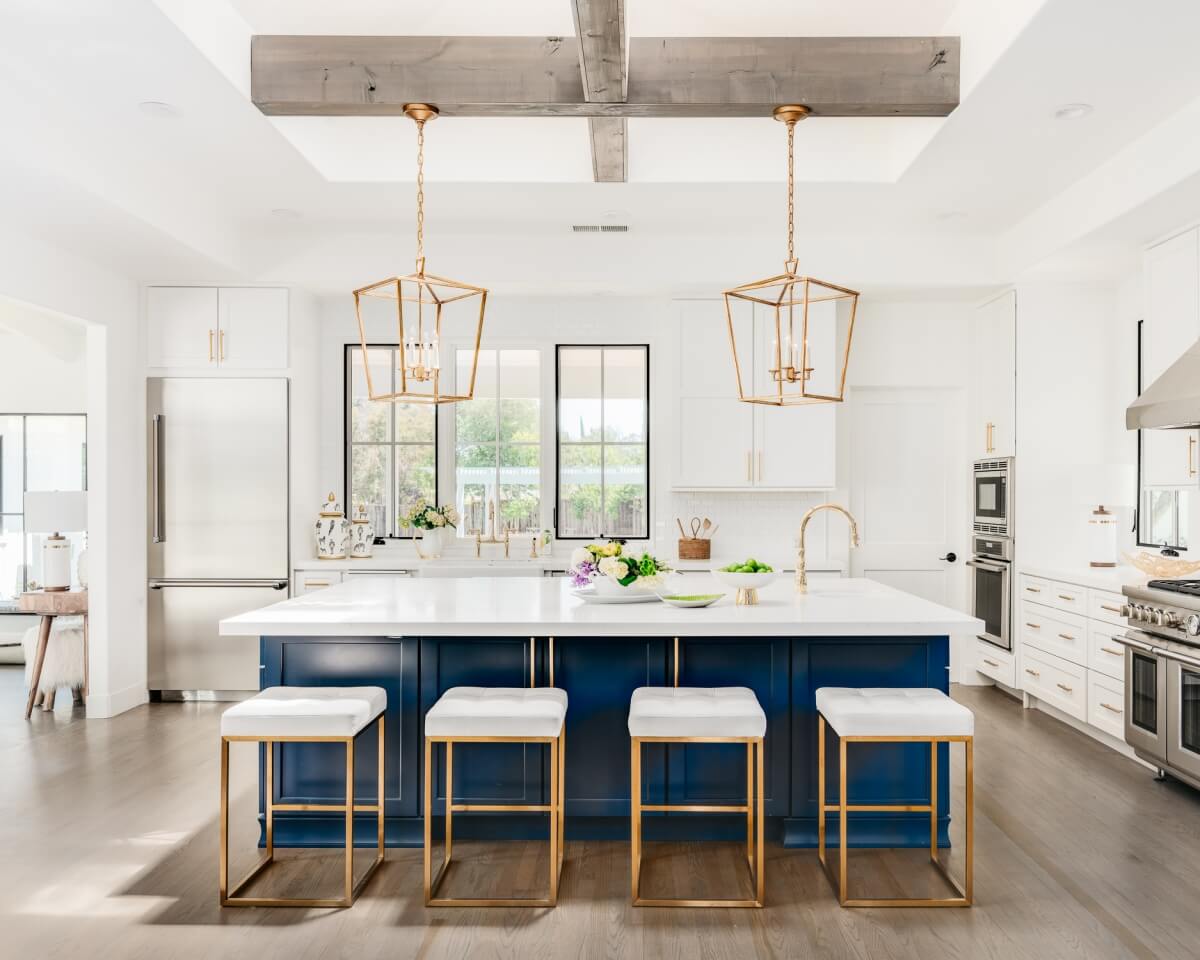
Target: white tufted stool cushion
(498, 712)
(304, 712)
(696, 712)
(893, 712)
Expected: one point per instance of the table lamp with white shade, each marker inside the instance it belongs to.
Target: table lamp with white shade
(56, 512)
(1106, 487)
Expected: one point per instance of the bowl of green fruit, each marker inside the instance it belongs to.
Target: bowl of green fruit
(746, 577)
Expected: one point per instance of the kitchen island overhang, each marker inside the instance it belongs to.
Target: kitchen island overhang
(418, 639)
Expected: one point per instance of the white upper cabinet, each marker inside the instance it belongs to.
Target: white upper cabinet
(992, 399)
(242, 328)
(182, 326)
(727, 444)
(254, 328)
(1171, 325)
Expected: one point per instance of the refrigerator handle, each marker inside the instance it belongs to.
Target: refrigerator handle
(156, 479)
(160, 583)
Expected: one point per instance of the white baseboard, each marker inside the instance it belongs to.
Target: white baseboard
(103, 706)
(1094, 732)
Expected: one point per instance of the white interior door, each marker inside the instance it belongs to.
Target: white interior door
(908, 490)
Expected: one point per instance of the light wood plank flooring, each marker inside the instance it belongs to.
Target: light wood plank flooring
(109, 839)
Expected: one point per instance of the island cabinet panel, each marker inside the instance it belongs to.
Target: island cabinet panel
(314, 773)
(599, 677)
(483, 772)
(877, 773)
(716, 773)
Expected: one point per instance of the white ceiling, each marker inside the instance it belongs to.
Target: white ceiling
(882, 203)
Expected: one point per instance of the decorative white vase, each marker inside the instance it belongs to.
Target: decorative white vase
(362, 534)
(332, 530)
(434, 542)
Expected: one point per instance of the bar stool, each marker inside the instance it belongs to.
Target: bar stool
(699, 715)
(495, 715)
(895, 715)
(303, 715)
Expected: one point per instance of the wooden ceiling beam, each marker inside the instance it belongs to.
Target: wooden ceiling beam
(600, 29)
(667, 77)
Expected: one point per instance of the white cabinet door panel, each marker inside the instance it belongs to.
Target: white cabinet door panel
(715, 442)
(182, 326)
(705, 358)
(254, 328)
(796, 447)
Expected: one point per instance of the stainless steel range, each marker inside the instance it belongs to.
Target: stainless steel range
(1162, 675)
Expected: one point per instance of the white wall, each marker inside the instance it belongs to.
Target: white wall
(898, 342)
(43, 361)
(33, 271)
(1076, 372)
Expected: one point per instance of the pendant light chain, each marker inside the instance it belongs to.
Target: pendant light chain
(420, 196)
(791, 188)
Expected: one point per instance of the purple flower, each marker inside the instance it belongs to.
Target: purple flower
(581, 574)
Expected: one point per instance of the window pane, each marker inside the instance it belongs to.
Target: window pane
(371, 465)
(415, 478)
(415, 423)
(520, 486)
(624, 393)
(472, 505)
(579, 374)
(370, 419)
(12, 580)
(520, 420)
(474, 483)
(475, 420)
(54, 453)
(485, 375)
(12, 451)
(579, 513)
(625, 490)
(520, 374)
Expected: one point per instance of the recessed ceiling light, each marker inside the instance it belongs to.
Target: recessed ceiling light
(158, 108)
(1072, 111)
(286, 213)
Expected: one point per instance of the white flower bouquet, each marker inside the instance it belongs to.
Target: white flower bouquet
(427, 516)
(607, 560)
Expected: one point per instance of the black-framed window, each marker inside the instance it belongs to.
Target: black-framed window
(602, 418)
(38, 451)
(391, 448)
(1162, 512)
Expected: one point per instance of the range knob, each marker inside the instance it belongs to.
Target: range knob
(1170, 619)
(1160, 618)
(1192, 624)
(1141, 612)
(1127, 610)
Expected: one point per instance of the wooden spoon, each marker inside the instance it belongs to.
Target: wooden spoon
(707, 525)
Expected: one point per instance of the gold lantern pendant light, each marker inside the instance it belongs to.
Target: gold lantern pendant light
(801, 356)
(429, 312)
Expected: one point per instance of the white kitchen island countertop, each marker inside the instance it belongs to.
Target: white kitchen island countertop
(495, 607)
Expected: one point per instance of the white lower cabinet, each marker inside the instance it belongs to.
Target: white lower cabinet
(1068, 657)
(309, 581)
(1000, 665)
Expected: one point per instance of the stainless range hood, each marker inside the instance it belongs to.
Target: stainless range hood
(1173, 400)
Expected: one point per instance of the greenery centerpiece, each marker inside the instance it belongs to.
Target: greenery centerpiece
(435, 523)
(609, 561)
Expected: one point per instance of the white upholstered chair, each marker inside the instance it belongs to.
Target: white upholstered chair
(699, 715)
(894, 715)
(303, 715)
(495, 715)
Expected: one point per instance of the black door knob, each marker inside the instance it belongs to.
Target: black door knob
(950, 557)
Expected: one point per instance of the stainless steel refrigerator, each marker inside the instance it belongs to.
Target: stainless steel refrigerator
(218, 527)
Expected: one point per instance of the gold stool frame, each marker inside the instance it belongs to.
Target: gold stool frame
(965, 891)
(753, 809)
(558, 761)
(230, 898)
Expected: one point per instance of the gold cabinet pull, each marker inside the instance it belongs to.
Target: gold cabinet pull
(1109, 706)
(1032, 673)
(1063, 686)
(1066, 636)
(1033, 626)
(210, 346)
(1105, 606)
(221, 347)
(1065, 596)
(1115, 653)
(749, 468)
(316, 583)
(1033, 589)
(991, 663)
(1191, 456)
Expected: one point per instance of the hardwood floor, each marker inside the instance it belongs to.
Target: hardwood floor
(110, 846)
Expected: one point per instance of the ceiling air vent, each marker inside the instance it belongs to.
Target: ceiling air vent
(600, 228)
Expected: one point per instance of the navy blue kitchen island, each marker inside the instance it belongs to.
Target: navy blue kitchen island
(370, 633)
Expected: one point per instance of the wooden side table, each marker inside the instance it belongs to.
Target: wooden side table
(73, 603)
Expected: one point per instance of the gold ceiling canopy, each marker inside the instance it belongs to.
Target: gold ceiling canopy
(794, 331)
(424, 311)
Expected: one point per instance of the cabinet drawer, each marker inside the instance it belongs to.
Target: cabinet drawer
(1106, 606)
(1054, 632)
(1106, 704)
(1057, 681)
(308, 581)
(1036, 589)
(1105, 655)
(998, 664)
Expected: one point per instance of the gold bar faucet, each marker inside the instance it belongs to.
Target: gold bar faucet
(801, 568)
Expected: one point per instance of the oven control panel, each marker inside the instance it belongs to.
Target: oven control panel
(1154, 616)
